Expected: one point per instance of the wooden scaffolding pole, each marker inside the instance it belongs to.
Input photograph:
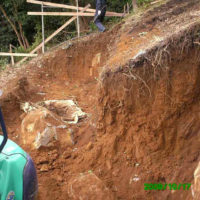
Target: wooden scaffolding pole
(43, 44)
(128, 8)
(64, 6)
(18, 54)
(12, 57)
(55, 33)
(73, 14)
(78, 24)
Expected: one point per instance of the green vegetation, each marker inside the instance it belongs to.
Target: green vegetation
(142, 2)
(24, 31)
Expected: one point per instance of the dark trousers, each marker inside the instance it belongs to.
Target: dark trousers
(100, 19)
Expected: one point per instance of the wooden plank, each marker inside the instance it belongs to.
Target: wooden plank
(195, 13)
(134, 4)
(59, 5)
(64, 6)
(154, 2)
(18, 54)
(43, 46)
(72, 14)
(55, 33)
(78, 24)
(12, 57)
(12, 46)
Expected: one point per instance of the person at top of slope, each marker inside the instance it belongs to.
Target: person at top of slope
(100, 14)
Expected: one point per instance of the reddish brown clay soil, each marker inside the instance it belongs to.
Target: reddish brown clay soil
(141, 128)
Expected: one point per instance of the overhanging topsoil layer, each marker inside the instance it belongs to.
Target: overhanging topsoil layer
(140, 85)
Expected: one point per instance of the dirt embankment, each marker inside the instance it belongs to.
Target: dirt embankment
(139, 83)
(151, 114)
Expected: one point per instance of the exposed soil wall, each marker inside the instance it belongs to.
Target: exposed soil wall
(80, 61)
(150, 109)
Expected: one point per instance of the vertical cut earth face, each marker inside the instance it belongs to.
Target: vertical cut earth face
(152, 116)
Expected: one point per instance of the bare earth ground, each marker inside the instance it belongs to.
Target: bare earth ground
(143, 125)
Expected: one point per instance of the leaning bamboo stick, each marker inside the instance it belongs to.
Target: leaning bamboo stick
(18, 54)
(55, 33)
(64, 6)
(72, 14)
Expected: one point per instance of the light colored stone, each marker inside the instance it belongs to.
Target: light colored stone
(116, 172)
(36, 129)
(66, 154)
(66, 109)
(196, 186)
(108, 164)
(88, 187)
(27, 107)
(39, 128)
(44, 168)
(45, 138)
(96, 60)
(89, 146)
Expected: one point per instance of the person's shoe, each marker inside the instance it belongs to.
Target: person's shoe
(103, 30)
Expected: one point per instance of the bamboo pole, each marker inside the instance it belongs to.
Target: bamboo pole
(78, 24)
(12, 58)
(128, 8)
(55, 33)
(134, 4)
(43, 44)
(64, 6)
(18, 54)
(72, 14)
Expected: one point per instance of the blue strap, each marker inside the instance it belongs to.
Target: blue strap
(3, 126)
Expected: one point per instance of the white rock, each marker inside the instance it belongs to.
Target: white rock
(196, 186)
(88, 187)
(39, 128)
(67, 109)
